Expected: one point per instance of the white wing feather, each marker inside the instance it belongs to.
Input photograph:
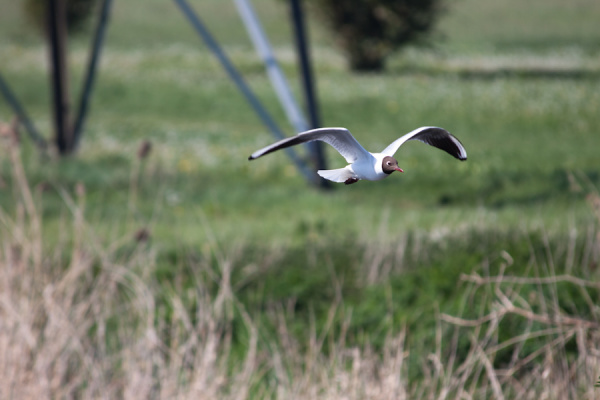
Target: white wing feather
(339, 138)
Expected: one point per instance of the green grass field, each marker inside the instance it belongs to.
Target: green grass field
(518, 83)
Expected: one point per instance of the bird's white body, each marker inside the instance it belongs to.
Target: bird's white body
(366, 168)
(364, 165)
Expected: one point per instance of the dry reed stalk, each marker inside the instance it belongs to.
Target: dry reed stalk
(78, 321)
(557, 376)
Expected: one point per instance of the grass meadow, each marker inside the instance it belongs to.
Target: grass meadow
(193, 273)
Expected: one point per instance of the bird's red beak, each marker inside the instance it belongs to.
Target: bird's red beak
(399, 169)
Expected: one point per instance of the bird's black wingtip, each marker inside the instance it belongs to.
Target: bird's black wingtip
(250, 158)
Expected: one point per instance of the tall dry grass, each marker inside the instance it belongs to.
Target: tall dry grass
(79, 320)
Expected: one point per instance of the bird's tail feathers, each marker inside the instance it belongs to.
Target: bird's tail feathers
(336, 175)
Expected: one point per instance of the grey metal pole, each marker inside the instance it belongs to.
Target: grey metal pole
(308, 84)
(21, 114)
(241, 84)
(91, 71)
(263, 48)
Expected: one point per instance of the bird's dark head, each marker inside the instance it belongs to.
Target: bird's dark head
(389, 165)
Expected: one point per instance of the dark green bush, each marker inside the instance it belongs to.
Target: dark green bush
(78, 13)
(369, 30)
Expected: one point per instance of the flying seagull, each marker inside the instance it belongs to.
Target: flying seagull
(362, 164)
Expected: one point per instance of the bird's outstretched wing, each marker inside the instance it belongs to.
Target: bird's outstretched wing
(339, 138)
(436, 137)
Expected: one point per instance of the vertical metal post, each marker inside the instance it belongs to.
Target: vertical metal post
(57, 36)
(308, 84)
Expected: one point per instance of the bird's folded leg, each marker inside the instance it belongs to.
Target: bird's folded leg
(350, 181)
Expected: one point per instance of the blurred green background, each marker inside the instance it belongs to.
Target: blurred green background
(517, 82)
